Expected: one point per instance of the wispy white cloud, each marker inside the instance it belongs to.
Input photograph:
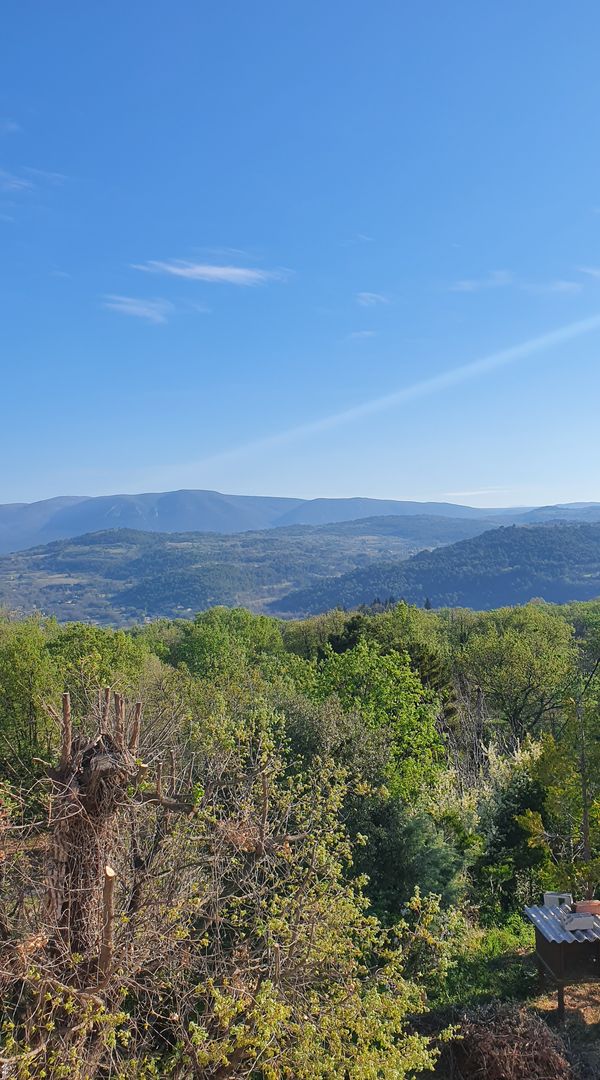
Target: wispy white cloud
(8, 126)
(45, 175)
(27, 178)
(10, 181)
(193, 271)
(468, 494)
(21, 184)
(190, 305)
(358, 334)
(371, 299)
(358, 238)
(154, 311)
(497, 279)
(225, 254)
(503, 279)
(551, 287)
(424, 388)
(590, 271)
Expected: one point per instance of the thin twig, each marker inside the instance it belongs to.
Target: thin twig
(67, 732)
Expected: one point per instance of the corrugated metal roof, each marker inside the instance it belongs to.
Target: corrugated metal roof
(547, 921)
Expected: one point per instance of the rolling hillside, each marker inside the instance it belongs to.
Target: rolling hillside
(120, 575)
(509, 565)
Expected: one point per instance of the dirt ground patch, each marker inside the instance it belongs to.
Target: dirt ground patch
(581, 1029)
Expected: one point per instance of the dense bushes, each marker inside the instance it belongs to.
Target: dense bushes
(327, 824)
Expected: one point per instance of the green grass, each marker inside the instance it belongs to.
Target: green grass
(493, 962)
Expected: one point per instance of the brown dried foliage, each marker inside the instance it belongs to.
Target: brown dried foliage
(505, 1042)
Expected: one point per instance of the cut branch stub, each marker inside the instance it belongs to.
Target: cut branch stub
(106, 706)
(67, 732)
(108, 915)
(159, 780)
(134, 738)
(119, 721)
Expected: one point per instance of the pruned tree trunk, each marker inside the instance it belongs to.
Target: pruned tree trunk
(89, 788)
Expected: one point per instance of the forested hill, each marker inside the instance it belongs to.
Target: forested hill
(120, 575)
(123, 575)
(509, 565)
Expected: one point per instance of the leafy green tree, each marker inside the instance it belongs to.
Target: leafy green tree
(387, 692)
(403, 852)
(324, 730)
(567, 827)
(524, 661)
(28, 678)
(309, 638)
(511, 869)
(225, 640)
(90, 656)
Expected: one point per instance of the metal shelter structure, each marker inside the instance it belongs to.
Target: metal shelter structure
(565, 955)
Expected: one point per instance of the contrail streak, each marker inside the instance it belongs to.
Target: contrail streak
(423, 388)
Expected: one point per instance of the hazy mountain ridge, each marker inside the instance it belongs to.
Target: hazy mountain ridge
(24, 525)
(27, 525)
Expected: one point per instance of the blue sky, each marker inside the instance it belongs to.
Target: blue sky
(301, 248)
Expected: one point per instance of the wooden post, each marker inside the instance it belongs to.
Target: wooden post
(67, 732)
(106, 707)
(134, 738)
(561, 1002)
(119, 721)
(108, 908)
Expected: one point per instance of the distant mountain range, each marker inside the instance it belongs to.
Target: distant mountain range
(557, 562)
(121, 576)
(24, 525)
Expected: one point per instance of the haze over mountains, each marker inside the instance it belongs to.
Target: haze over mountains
(28, 524)
(123, 574)
(24, 525)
